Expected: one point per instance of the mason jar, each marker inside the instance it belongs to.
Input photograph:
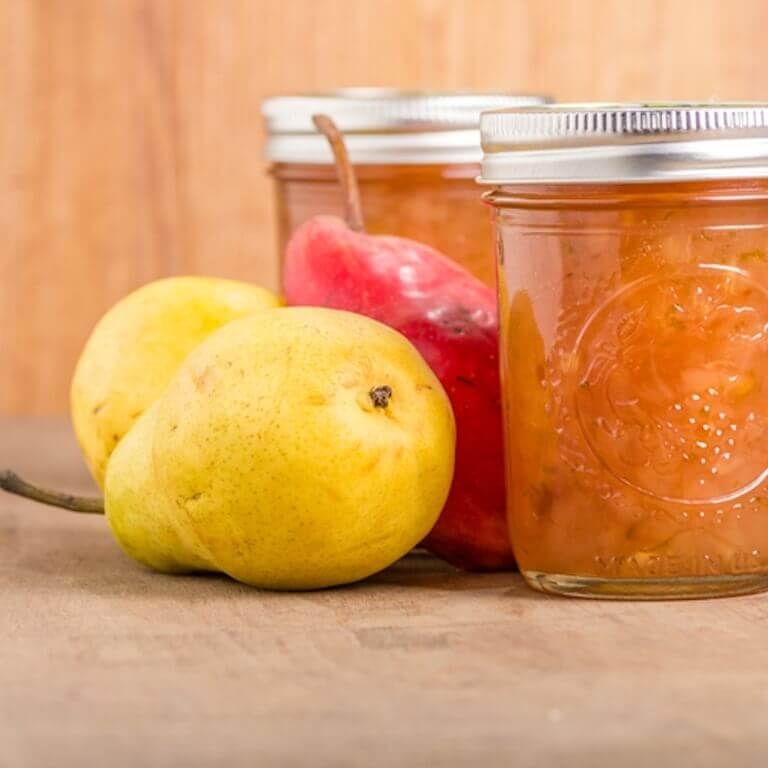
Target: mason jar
(632, 245)
(416, 154)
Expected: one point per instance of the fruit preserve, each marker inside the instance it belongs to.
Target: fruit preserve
(416, 155)
(632, 246)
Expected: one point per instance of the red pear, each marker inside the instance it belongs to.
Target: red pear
(451, 318)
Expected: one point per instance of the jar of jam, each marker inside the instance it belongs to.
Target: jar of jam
(416, 155)
(632, 244)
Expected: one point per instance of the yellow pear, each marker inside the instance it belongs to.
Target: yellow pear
(296, 449)
(139, 344)
(138, 514)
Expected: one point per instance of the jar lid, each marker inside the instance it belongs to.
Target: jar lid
(583, 143)
(383, 125)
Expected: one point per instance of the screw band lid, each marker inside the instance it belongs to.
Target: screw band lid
(583, 143)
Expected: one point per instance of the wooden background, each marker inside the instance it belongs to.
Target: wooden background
(130, 138)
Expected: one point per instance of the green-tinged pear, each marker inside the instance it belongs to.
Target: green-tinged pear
(295, 449)
(137, 347)
(139, 514)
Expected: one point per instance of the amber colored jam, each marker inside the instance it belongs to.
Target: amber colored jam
(634, 354)
(435, 204)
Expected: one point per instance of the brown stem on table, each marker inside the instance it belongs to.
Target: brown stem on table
(353, 209)
(11, 482)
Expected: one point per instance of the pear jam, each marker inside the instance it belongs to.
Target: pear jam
(416, 156)
(634, 348)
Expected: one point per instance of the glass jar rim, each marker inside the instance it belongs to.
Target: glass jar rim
(616, 195)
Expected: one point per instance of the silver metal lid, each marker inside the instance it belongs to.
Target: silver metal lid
(383, 125)
(582, 143)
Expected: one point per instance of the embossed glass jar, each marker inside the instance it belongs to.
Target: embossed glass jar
(416, 155)
(632, 248)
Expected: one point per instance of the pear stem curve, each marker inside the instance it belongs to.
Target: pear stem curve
(353, 207)
(12, 483)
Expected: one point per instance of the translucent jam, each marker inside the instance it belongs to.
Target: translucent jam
(635, 377)
(435, 204)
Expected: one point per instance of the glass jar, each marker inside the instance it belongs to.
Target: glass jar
(632, 244)
(417, 156)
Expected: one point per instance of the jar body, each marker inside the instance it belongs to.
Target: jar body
(634, 361)
(435, 204)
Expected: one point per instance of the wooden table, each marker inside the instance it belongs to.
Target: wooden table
(105, 663)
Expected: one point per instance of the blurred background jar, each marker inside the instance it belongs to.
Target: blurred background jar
(416, 154)
(633, 283)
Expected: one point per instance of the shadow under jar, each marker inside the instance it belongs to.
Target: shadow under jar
(633, 283)
(416, 155)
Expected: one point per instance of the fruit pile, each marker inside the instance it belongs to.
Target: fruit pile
(299, 446)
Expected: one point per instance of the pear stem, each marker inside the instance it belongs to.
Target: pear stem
(353, 208)
(11, 482)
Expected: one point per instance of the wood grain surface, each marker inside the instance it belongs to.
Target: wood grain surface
(105, 663)
(130, 140)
